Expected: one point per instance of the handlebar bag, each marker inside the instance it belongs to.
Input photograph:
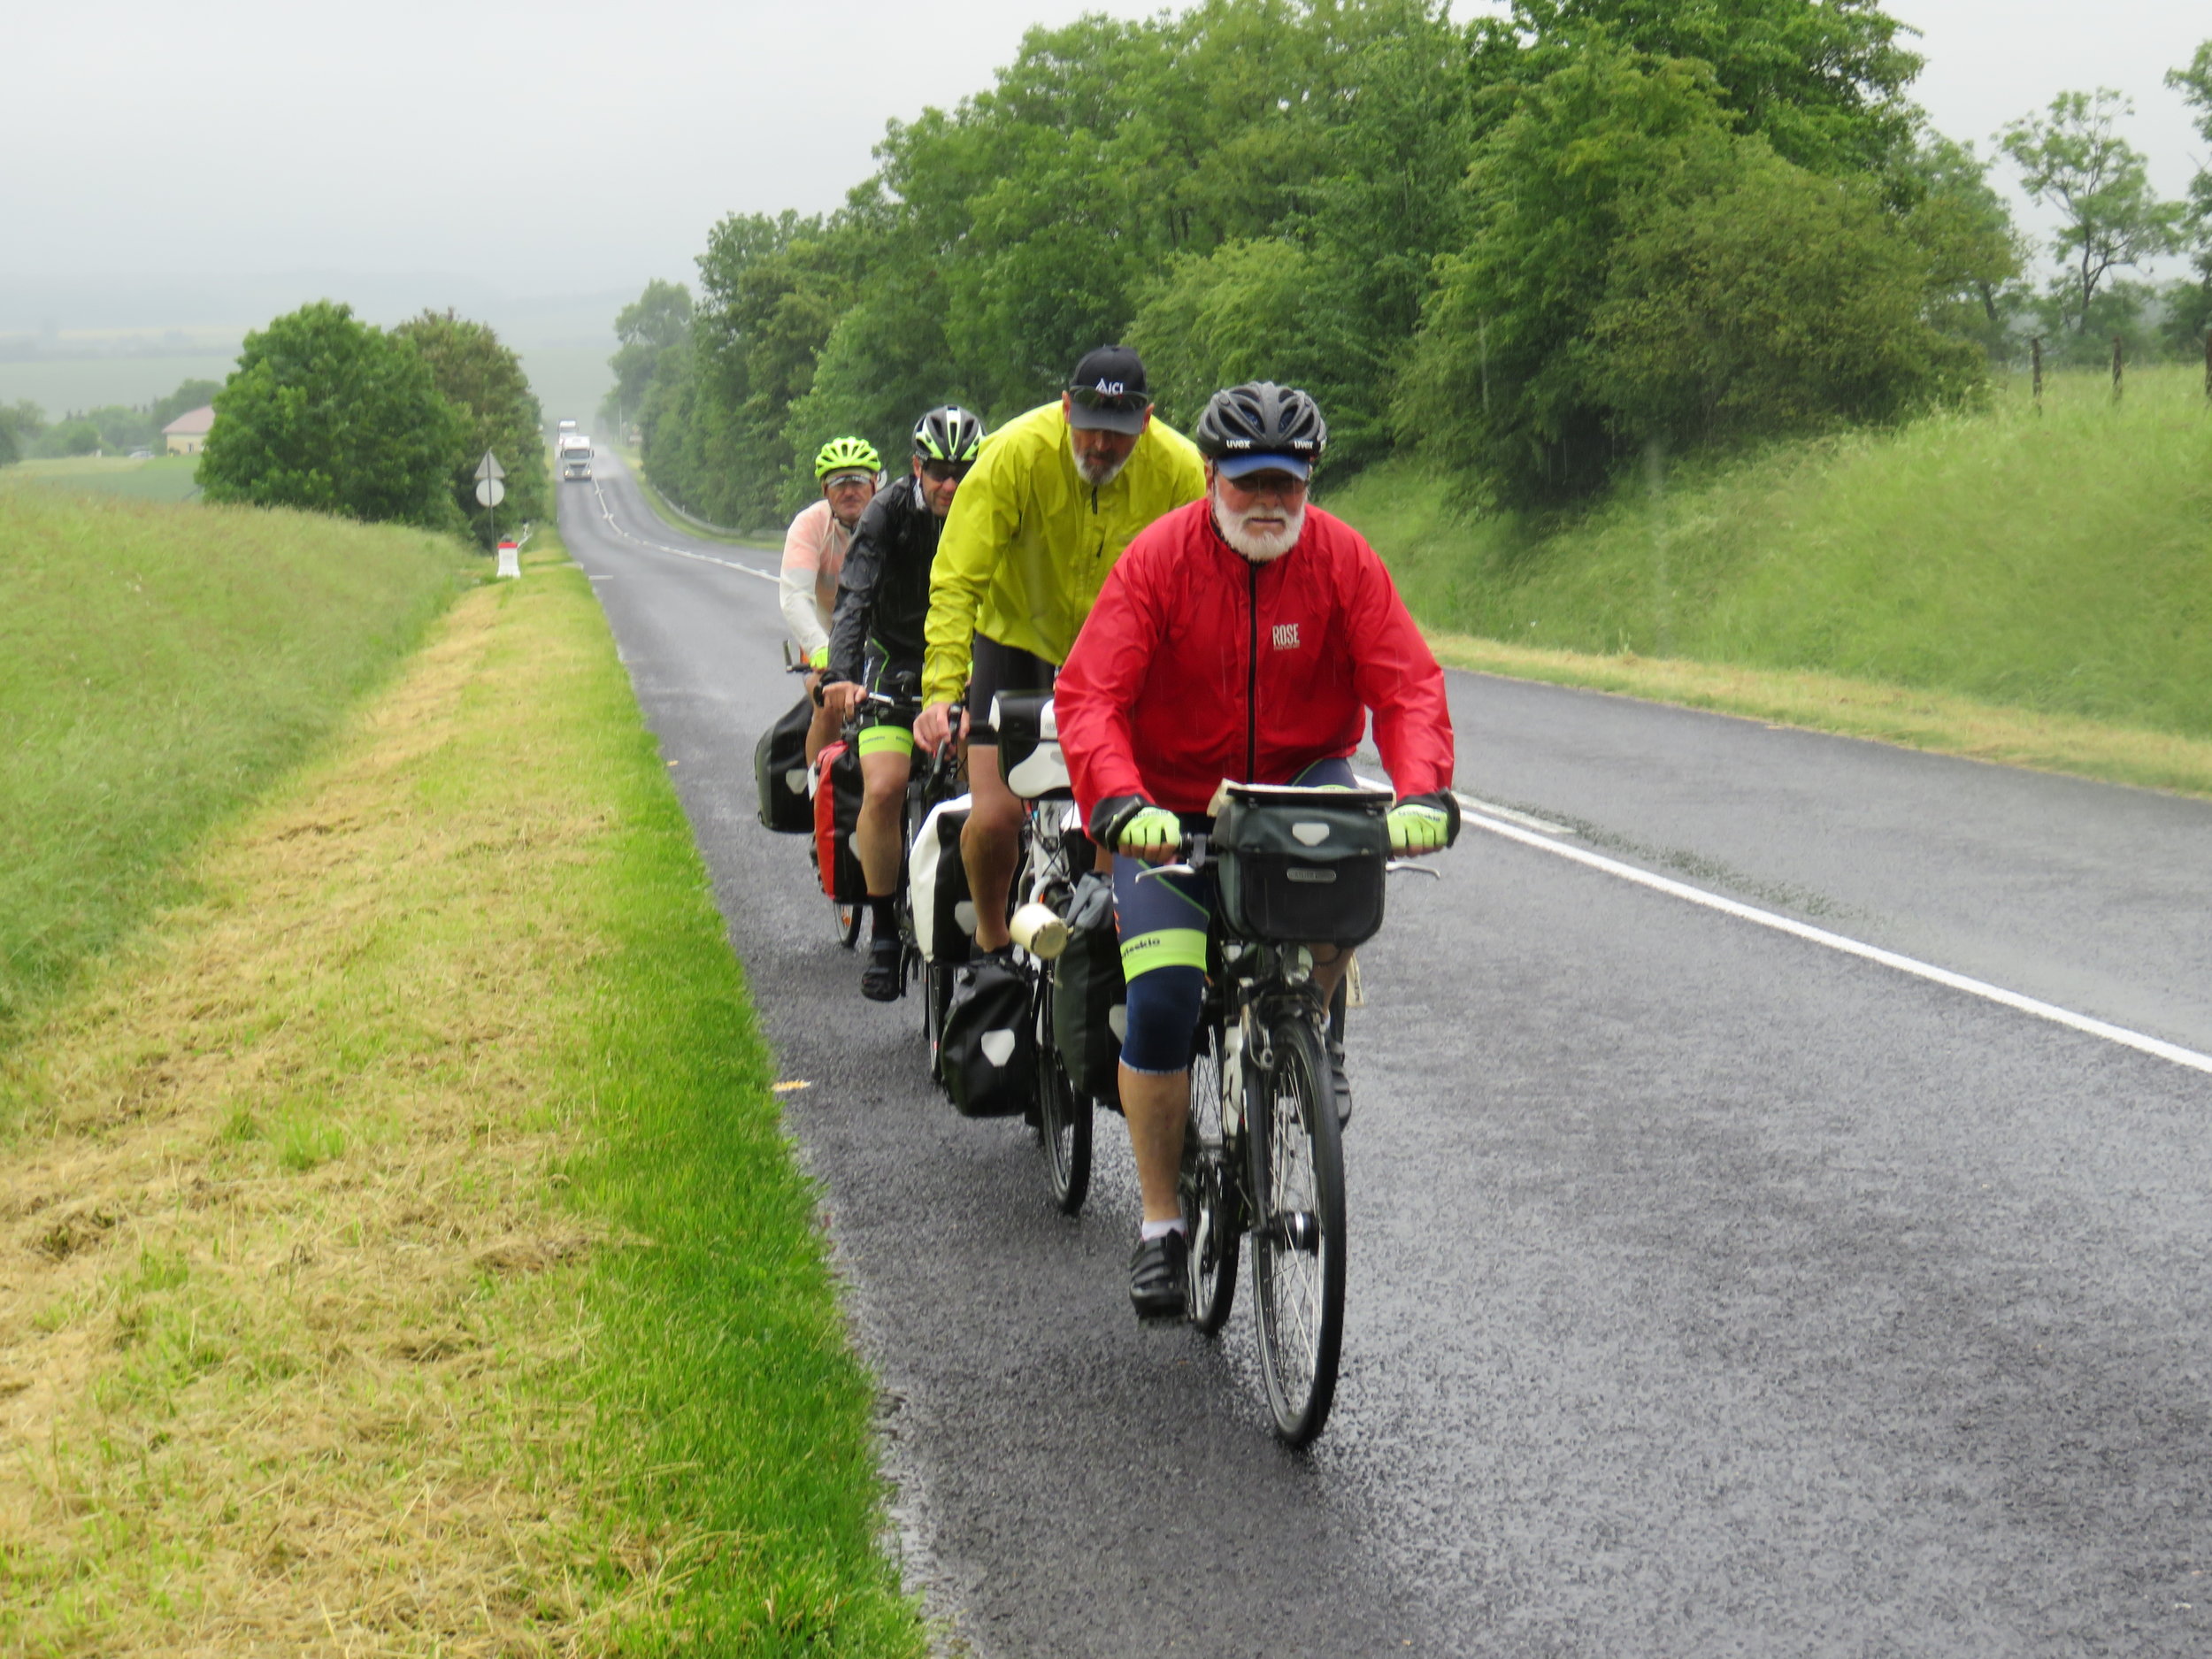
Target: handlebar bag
(780, 772)
(937, 885)
(1029, 757)
(1089, 995)
(836, 784)
(986, 1056)
(1302, 866)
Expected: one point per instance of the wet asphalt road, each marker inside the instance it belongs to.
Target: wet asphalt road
(1711, 1291)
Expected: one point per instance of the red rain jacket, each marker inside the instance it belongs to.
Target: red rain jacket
(1196, 665)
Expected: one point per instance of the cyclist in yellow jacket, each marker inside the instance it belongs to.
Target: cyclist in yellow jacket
(1055, 497)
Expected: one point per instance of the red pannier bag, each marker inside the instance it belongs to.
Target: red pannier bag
(836, 787)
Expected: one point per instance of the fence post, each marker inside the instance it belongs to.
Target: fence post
(2116, 368)
(2207, 366)
(2035, 359)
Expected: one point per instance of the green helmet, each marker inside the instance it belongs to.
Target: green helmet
(844, 455)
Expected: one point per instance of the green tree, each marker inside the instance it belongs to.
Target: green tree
(483, 382)
(122, 428)
(72, 436)
(1498, 380)
(1780, 302)
(329, 414)
(2073, 157)
(1974, 252)
(9, 454)
(1822, 81)
(20, 424)
(648, 326)
(2189, 304)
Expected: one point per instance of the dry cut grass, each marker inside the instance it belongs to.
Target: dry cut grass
(291, 1311)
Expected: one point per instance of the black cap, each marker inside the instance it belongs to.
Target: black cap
(1107, 391)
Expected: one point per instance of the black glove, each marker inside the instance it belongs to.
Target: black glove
(1111, 816)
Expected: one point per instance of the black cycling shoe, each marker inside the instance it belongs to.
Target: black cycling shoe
(1157, 1274)
(1342, 1084)
(884, 978)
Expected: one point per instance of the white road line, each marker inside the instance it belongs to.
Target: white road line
(2057, 1016)
(606, 513)
(1473, 804)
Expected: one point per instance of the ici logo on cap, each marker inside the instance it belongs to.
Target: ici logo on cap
(1110, 388)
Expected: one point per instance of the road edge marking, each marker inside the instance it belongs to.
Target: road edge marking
(2158, 1048)
(607, 513)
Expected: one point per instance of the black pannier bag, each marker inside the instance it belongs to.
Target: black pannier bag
(987, 1058)
(1029, 757)
(1302, 866)
(1089, 995)
(780, 771)
(937, 885)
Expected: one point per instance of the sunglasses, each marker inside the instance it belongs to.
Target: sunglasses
(851, 480)
(938, 471)
(1120, 403)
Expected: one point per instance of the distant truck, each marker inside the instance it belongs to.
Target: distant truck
(575, 454)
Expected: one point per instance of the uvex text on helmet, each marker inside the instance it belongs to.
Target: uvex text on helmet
(1246, 429)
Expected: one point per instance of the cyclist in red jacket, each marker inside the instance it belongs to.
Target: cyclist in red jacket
(1246, 636)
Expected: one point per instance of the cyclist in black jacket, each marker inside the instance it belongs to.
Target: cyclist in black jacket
(876, 645)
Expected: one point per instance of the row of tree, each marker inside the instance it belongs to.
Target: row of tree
(332, 414)
(1528, 245)
(112, 429)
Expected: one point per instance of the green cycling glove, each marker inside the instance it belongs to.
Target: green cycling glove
(1418, 827)
(818, 657)
(1150, 828)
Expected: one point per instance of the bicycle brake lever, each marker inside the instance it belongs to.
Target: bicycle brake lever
(1417, 866)
(1150, 870)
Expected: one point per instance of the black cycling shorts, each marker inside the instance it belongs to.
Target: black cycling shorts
(1001, 668)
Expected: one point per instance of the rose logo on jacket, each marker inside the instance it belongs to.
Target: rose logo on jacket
(1285, 636)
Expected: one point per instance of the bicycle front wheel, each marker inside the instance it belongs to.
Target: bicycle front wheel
(1211, 1194)
(1297, 1195)
(846, 920)
(1064, 1115)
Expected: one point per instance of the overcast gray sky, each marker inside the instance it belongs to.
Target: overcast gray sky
(552, 147)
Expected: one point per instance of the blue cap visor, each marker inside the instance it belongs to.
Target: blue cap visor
(1238, 465)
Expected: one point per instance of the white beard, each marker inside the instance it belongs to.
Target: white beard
(1098, 474)
(1261, 547)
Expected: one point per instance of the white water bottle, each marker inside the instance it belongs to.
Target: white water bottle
(1038, 929)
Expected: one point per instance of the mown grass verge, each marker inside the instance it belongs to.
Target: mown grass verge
(158, 665)
(402, 1252)
(2051, 565)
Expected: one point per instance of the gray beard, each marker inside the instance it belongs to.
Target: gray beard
(1261, 550)
(1098, 474)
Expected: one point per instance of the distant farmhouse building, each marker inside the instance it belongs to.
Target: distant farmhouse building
(186, 435)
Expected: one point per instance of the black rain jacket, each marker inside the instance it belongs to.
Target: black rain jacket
(883, 590)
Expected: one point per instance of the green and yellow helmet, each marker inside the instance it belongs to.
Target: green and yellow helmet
(845, 454)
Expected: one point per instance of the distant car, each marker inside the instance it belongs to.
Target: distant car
(141, 454)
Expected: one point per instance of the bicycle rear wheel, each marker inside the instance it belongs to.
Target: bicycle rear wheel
(1064, 1115)
(1211, 1194)
(1297, 1193)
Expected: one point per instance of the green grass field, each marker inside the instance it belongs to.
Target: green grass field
(419, 1265)
(2053, 562)
(158, 665)
(164, 478)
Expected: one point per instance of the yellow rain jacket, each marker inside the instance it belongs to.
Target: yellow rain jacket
(1028, 543)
